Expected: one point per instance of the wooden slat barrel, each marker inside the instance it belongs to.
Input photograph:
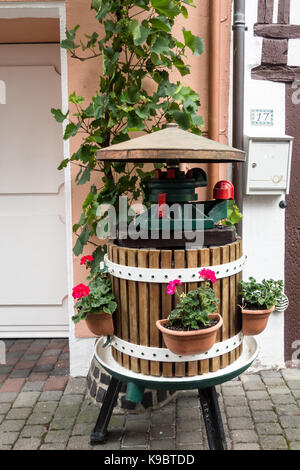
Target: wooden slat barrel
(140, 304)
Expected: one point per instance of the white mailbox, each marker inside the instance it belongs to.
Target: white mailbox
(268, 166)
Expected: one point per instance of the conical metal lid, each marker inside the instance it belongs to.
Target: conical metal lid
(171, 143)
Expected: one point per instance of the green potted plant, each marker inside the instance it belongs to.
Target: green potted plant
(192, 326)
(258, 302)
(95, 303)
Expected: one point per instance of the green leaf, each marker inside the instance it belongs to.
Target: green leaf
(85, 176)
(77, 250)
(140, 32)
(168, 8)
(161, 24)
(195, 43)
(63, 164)
(71, 130)
(58, 115)
(73, 98)
(182, 119)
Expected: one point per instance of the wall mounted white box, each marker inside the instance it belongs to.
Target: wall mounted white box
(268, 166)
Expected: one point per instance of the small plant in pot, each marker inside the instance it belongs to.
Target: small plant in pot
(258, 302)
(192, 326)
(95, 304)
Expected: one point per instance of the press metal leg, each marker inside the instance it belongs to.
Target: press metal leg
(99, 433)
(212, 418)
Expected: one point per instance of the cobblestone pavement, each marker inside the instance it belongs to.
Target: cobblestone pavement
(41, 407)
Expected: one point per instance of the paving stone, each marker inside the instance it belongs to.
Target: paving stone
(19, 346)
(43, 368)
(269, 429)
(12, 425)
(22, 364)
(270, 373)
(4, 407)
(38, 418)
(7, 397)
(189, 447)
(251, 446)
(188, 402)
(244, 436)
(47, 360)
(51, 353)
(157, 418)
(233, 391)
(8, 437)
(51, 395)
(62, 423)
(138, 426)
(240, 423)
(293, 434)
(162, 444)
(294, 445)
(263, 405)
(3, 377)
(185, 438)
(12, 385)
(45, 407)
(77, 385)
(252, 382)
(27, 444)
(282, 399)
(18, 413)
(30, 357)
(279, 391)
(133, 439)
(187, 413)
(164, 431)
(38, 376)
(188, 425)
(56, 383)
(296, 393)
(109, 445)
(2, 447)
(235, 401)
(264, 417)
(33, 431)
(67, 411)
(274, 382)
(33, 386)
(117, 422)
(26, 399)
(290, 421)
(55, 446)
(20, 374)
(291, 373)
(289, 409)
(239, 411)
(273, 443)
(82, 429)
(71, 400)
(79, 443)
(257, 395)
(57, 436)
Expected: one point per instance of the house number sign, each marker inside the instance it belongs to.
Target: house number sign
(262, 117)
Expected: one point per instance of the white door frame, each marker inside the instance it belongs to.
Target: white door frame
(54, 10)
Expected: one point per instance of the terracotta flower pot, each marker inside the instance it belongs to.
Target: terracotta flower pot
(255, 321)
(190, 342)
(100, 324)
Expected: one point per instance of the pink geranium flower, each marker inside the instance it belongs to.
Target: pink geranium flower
(171, 288)
(86, 258)
(208, 275)
(80, 290)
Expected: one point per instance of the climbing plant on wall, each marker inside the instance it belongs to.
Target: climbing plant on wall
(137, 52)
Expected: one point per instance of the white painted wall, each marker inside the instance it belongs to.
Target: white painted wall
(264, 221)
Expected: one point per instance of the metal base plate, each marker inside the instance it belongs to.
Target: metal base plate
(210, 379)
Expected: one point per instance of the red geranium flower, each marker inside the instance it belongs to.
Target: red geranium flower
(171, 288)
(208, 275)
(80, 290)
(86, 258)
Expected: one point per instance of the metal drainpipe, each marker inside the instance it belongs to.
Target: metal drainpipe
(239, 28)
